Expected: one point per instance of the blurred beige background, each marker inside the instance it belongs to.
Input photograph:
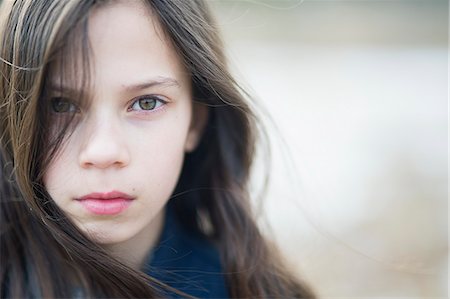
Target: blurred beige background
(357, 91)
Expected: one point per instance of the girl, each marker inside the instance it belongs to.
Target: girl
(125, 154)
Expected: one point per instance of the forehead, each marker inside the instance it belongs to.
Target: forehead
(127, 45)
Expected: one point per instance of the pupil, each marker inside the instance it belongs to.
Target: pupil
(147, 104)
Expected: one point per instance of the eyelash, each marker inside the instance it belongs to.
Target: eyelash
(158, 104)
(73, 108)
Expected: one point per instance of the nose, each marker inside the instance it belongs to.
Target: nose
(104, 146)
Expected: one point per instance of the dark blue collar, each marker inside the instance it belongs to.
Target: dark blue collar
(186, 261)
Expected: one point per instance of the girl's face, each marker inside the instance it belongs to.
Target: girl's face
(118, 169)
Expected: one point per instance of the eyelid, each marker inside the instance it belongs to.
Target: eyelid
(159, 98)
(74, 104)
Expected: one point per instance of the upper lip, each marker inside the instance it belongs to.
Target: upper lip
(106, 195)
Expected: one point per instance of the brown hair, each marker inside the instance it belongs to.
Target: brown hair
(39, 243)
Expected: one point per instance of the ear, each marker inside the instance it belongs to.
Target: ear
(198, 123)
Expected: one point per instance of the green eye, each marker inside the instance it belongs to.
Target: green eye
(147, 103)
(62, 105)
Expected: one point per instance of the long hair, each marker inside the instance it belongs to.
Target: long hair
(43, 254)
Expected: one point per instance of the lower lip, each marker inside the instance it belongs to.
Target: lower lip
(111, 206)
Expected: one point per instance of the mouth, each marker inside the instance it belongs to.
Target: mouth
(108, 203)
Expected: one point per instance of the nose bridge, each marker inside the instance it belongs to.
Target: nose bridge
(100, 127)
(103, 142)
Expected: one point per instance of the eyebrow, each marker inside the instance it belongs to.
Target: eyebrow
(157, 81)
(164, 81)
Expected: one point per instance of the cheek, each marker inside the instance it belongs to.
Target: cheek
(161, 147)
(59, 174)
(159, 160)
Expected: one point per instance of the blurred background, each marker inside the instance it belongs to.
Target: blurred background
(356, 97)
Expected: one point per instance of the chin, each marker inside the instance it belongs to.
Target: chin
(105, 234)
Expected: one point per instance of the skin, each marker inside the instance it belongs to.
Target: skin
(117, 145)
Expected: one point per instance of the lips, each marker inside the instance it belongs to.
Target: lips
(108, 203)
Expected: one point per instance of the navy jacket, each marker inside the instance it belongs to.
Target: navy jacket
(187, 262)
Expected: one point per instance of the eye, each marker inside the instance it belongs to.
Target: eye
(147, 103)
(63, 105)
